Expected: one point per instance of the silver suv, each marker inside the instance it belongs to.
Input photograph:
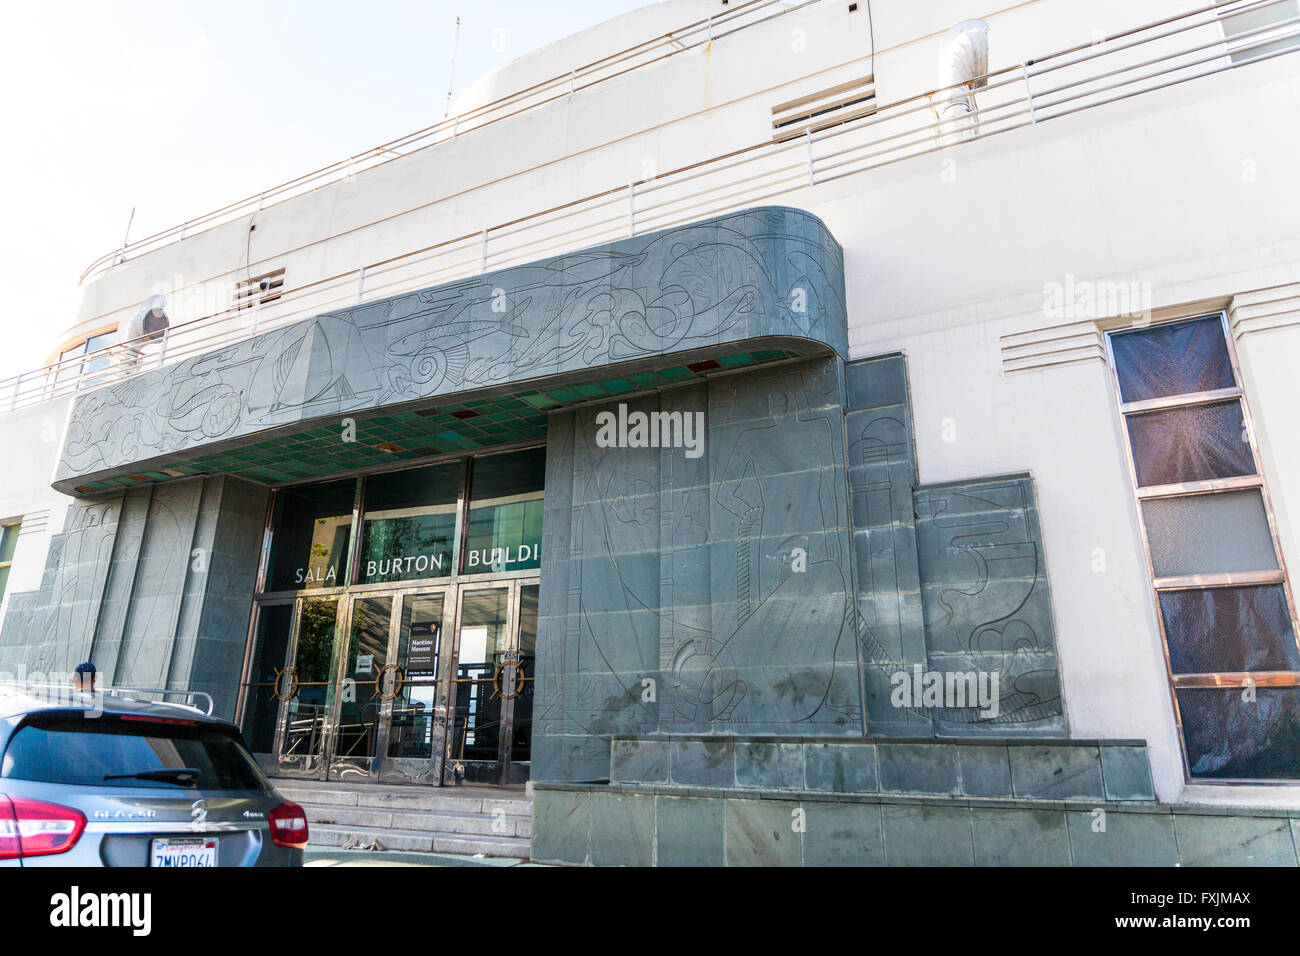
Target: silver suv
(102, 780)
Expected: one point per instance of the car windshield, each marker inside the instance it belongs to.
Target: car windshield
(115, 752)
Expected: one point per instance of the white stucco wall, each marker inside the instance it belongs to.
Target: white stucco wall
(32, 438)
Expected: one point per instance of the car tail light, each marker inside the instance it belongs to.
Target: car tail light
(33, 828)
(289, 825)
(9, 848)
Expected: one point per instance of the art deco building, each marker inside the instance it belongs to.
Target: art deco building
(883, 409)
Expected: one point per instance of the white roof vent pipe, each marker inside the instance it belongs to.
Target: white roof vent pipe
(963, 64)
(149, 323)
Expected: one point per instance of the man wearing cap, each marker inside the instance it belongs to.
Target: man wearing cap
(84, 678)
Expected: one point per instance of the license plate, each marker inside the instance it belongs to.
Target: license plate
(200, 852)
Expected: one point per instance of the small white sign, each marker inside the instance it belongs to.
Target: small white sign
(365, 663)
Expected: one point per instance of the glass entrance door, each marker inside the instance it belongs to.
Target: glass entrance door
(306, 688)
(421, 685)
(417, 710)
(490, 736)
(365, 686)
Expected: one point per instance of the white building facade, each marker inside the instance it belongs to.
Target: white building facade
(1086, 251)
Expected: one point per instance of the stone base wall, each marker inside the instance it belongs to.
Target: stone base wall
(1101, 770)
(627, 825)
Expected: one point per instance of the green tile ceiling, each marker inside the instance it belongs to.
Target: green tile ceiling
(468, 425)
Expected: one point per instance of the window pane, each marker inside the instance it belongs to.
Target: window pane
(271, 644)
(505, 515)
(367, 656)
(100, 752)
(1206, 534)
(1251, 47)
(419, 647)
(409, 524)
(480, 649)
(1229, 629)
(1190, 444)
(1230, 737)
(8, 542)
(1172, 359)
(311, 533)
(314, 658)
(311, 704)
(72, 369)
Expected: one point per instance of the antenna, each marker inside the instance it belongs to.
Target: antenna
(451, 80)
(127, 235)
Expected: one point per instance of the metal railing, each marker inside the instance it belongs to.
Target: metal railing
(699, 33)
(1144, 59)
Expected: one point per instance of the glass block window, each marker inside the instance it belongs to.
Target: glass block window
(1226, 613)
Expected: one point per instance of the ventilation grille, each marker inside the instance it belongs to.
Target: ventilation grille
(830, 107)
(1248, 34)
(259, 290)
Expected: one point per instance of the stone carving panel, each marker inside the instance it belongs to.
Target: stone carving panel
(768, 273)
(721, 583)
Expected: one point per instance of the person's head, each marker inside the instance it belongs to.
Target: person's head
(84, 677)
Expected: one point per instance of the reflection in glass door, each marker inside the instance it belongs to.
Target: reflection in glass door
(264, 687)
(307, 688)
(366, 686)
(417, 720)
(419, 686)
(496, 635)
(481, 647)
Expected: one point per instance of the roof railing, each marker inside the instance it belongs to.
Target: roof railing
(692, 35)
(1140, 60)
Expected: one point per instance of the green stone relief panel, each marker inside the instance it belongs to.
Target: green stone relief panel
(482, 358)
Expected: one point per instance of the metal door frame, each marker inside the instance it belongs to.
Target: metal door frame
(505, 735)
(336, 767)
(387, 767)
(320, 770)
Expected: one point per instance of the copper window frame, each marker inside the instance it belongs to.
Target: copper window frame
(1202, 581)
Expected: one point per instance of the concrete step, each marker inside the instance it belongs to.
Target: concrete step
(305, 795)
(420, 841)
(418, 799)
(483, 824)
(487, 824)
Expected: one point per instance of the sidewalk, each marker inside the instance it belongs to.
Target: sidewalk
(334, 856)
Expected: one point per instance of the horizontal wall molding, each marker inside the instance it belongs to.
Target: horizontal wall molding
(35, 522)
(1054, 345)
(1265, 310)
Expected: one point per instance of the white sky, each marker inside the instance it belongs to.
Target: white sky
(177, 107)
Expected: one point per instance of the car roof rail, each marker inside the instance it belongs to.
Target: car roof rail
(191, 698)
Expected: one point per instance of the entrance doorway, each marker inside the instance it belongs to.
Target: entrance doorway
(428, 685)
(395, 626)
